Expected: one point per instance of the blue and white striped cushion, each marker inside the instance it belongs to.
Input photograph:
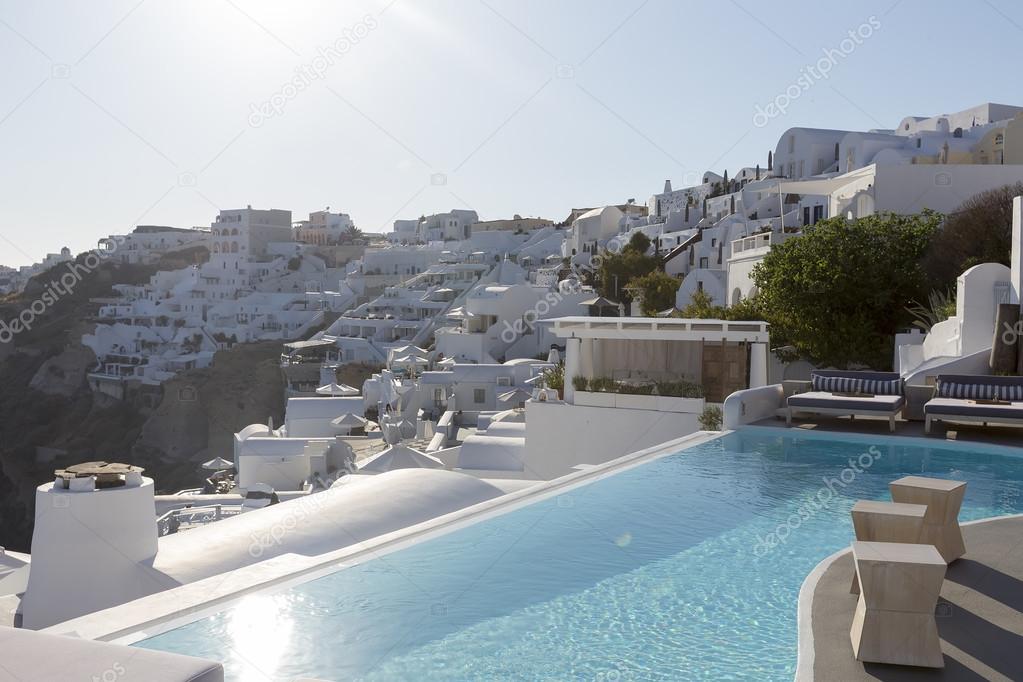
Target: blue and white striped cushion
(979, 391)
(1012, 393)
(856, 385)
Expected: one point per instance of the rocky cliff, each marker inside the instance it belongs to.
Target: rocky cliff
(49, 418)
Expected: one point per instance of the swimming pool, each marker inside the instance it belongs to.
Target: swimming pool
(685, 567)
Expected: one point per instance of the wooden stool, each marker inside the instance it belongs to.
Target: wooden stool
(941, 523)
(886, 522)
(894, 620)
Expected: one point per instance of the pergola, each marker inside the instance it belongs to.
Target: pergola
(652, 346)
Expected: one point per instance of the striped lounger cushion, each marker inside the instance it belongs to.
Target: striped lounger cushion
(979, 391)
(855, 385)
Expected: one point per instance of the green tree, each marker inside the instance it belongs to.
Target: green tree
(639, 243)
(701, 306)
(351, 234)
(617, 271)
(979, 231)
(657, 290)
(838, 293)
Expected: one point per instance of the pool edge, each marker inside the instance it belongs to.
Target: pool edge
(148, 616)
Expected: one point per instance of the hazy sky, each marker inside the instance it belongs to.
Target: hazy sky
(115, 113)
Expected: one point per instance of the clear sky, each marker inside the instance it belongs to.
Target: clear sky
(119, 112)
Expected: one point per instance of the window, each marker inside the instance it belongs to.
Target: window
(479, 395)
(792, 143)
(801, 168)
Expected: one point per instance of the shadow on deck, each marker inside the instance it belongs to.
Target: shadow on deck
(979, 615)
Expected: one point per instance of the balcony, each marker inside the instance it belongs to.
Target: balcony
(757, 244)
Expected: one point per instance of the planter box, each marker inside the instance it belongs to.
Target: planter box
(656, 403)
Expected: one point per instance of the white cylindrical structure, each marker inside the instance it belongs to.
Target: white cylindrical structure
(92, 548)
(757, 365)
(585, 367)
(573, 350)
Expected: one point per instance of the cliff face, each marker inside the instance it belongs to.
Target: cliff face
(202, 409)
(50, 419)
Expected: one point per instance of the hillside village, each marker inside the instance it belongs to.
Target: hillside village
(264, 363)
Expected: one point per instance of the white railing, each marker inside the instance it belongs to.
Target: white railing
(757, 241)
(188, 517)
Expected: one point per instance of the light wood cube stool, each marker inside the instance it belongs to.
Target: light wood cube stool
(876, 521)
(894, 620)
(943, 498)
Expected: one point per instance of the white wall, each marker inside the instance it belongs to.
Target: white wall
(560, 436)
(976, 305)
(1017, 250)
(751, 405)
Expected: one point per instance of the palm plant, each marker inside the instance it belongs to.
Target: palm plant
(352, 233)
(940, 306)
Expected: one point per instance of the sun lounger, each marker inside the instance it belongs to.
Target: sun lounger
(842, 393)
(975, 399)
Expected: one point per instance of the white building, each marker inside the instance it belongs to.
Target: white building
(813, 173)
(147, 243)
(323, 228)
(257, 285)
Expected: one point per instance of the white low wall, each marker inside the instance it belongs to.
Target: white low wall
(560, 436)
(627, 401)
(751, 405)
(975, 363)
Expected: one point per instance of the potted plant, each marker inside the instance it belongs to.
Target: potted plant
(710, 419)
(555, 378)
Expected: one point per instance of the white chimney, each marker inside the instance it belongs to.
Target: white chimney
(92, 547)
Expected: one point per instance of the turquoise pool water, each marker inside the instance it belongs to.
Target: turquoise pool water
(687, 567)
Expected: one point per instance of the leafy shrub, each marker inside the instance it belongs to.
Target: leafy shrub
(679, 389)
(636, 389)
(555, 377)
(580, 383)
(710, 418)
(940, 306)
(602, 384)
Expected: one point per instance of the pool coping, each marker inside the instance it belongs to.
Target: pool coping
(889, 438)
(805, 644)
(160, 612)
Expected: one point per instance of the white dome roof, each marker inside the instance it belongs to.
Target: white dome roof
(357, 508)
